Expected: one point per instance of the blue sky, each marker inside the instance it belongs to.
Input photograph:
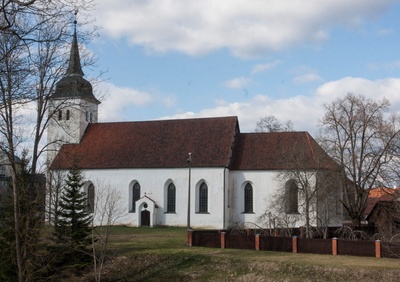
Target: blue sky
(250, 58)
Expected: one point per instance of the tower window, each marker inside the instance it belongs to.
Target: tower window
(67, 118)
(59, 115)
(91, 117)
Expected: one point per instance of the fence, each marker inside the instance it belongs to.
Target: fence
(221, 239)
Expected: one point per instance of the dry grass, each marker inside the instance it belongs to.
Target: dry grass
(161, 254)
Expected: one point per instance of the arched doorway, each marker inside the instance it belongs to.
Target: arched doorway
(146, 212)
(145, 218)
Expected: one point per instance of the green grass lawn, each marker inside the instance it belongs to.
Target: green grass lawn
(161, 254)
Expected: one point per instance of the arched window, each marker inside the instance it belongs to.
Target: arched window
(248, 198)
(67, 117)
(171, 198)
(203, 198)
(90, 198)
(135, 195)
(291, 197)
(91, 117)
(59, 115)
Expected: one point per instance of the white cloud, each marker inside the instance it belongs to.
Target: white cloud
(264, 67)
(305, 74)
(306, 78)
(393, 65)
(304, 111)
(388, 88)
(246, 28)
(385, 32)
(237, 83)
(119, 99)
(169, 101)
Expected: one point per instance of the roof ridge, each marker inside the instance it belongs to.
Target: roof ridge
(164, 120)
(309, 144)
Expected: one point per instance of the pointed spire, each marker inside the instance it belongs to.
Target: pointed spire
(73, 85)
(74, 64)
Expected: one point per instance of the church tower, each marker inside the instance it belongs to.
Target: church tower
(72, 106)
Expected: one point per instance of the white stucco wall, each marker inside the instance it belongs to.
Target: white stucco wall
(263, 183)
(153, 183)
(223, 203)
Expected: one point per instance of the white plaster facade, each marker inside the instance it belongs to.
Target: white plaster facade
(153, 184)
(225, 195)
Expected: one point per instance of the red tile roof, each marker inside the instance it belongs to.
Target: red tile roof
(279, 150)
(380, 194)
(152, 144)
(166, 144)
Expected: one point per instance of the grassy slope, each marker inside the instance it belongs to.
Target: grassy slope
(161, 254)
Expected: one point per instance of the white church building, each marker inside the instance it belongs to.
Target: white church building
(202, 172)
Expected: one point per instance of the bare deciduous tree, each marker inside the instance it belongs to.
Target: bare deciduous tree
(304, 191)
(32, 34)
(108, 208)
(363, 137)
(271, 124)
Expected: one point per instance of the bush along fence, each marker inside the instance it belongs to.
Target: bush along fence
(334, 246)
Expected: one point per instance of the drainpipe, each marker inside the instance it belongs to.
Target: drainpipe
(224, 200)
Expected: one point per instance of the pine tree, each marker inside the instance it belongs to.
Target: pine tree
(72, 228)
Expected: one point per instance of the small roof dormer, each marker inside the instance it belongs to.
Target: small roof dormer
(73, 85)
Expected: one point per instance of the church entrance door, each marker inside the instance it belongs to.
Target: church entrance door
(145, 218)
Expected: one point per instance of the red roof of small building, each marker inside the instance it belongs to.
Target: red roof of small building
(380, 194)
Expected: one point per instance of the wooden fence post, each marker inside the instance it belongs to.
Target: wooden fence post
(378, 248)
(334, 246)
(223, 240)
(294, 244)
(189, 234)
(257, 242)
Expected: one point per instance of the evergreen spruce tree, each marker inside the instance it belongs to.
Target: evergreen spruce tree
(72, 228)
(30, 193)
(8, 267)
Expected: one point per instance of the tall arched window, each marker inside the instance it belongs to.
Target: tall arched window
(90, 198)
(59, 115)
(171, 198)
(203, 198)
(248, 198)
(291, 197)
(135, 195)
(68, 115)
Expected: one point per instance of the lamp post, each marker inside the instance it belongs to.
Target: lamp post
(189, 160)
